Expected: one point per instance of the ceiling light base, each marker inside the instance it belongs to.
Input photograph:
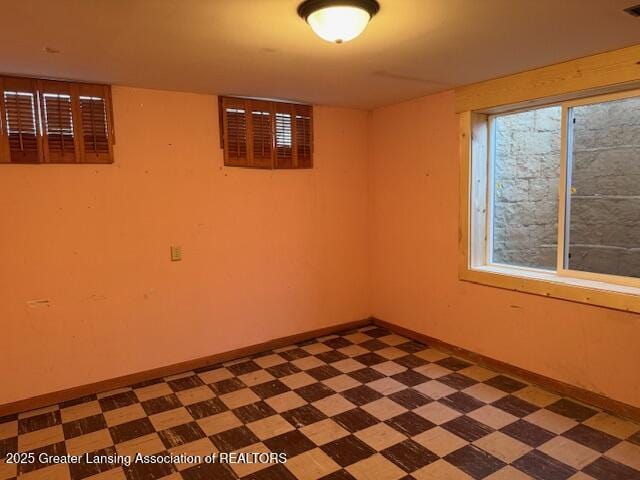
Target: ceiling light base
(307, 7)
(338, 21)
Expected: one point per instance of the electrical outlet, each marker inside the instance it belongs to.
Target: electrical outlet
(176, 253)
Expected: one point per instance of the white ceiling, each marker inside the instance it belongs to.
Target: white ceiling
(262, 48)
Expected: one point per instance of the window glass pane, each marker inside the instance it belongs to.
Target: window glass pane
(604, 212)
(526, 171)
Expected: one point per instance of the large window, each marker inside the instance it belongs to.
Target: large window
(264, 134)
(555, 191)
(45, 121)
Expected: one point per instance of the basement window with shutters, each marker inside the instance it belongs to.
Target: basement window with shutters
(266, 134)
(47, 121)
(555, 192)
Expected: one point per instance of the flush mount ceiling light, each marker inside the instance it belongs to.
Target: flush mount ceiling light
(338, 21)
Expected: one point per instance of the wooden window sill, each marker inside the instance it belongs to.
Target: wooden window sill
(549, 284)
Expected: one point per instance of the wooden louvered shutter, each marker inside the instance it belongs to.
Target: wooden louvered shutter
(21, 142)
(283, 114)
(59, 107)
(95, 125)
(235, 131)
(303, 136)
(55, 122)
(261, 134)
(265, 134)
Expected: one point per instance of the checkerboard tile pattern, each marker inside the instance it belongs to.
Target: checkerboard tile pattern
(364, 404)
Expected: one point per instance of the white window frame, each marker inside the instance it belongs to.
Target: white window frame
(480, 218)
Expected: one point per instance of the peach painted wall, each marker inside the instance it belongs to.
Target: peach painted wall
(266, 254)
(414, 234)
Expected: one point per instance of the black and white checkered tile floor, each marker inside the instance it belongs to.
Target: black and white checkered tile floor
(365, 404)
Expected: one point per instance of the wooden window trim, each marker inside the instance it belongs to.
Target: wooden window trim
(608, 73)
(274, 162)
(40, 87)
(588, 76)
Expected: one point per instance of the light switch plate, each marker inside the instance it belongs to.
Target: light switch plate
(176, 253)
